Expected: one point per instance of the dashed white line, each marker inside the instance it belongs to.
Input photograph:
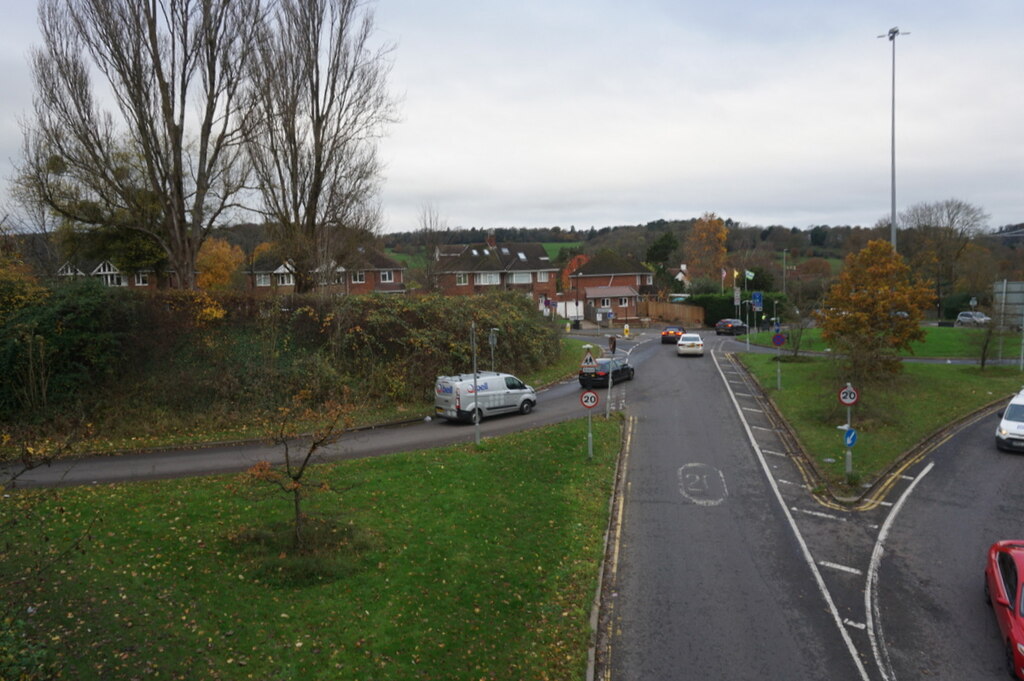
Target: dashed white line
(906, 477)
(771, 430)
(818, 514)
(787, 482)
(856, 625)
(753, 409)
(782, 454)
(842, 568)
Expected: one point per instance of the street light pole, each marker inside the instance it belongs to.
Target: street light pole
(784, 251)
(893, 32)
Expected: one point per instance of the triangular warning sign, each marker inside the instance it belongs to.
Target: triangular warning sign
(588, 360)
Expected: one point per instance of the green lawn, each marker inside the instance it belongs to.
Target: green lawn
(455, 563)
(940, 341)
(889, 419)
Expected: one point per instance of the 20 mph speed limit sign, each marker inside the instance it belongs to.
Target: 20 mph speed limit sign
(588, 398)
(848, 395)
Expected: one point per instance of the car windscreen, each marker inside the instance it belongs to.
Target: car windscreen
(1015, 412)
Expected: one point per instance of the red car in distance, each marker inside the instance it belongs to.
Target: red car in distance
(1004, 570)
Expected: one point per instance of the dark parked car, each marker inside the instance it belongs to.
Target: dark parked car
(671, 334)
(597, 377)
(731, 327)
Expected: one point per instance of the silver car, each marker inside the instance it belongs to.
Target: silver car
(972, 318)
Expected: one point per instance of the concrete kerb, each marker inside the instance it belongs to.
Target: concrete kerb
(600, 613)
(875, 493)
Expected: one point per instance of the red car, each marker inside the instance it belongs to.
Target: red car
(1004, 571)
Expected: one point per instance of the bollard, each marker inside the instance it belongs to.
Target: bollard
(625, 330)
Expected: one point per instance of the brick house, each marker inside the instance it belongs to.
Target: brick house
(110, 275)
(611, 283)
(368, 272)
(471, 269)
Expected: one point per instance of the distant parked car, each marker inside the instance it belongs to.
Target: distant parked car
(597, 377)
(730, 327)
(972, 318)
(690, 344)
(670, 334)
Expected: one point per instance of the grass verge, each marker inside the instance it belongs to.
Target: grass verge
(889, 419)
(454, 563)
(940, 341)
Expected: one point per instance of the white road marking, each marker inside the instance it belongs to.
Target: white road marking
(808, 558)
(856, 625)
(753, 409)
(843, 568)
(770, 430)
(906, 477)
(871, 593)
(782, 454)
(819, 514)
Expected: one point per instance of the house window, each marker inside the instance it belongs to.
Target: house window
(488, 279)
(649, 279)
(461, 279)
(359, 277)
(263, 279)
(113, 279)
(542, 277)
(141, 279)
(286, 279)
(606, 302)
(623, 302)
(521, 278)
(387, 276)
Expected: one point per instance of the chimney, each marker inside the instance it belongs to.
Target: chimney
(492, 241)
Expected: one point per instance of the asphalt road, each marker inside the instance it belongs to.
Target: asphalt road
(725, 564)
(712, 583)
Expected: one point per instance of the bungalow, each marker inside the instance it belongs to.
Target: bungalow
(110, 275)
(368, 272)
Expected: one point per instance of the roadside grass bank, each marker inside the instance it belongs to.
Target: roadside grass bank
(889, 419)
(142, 426)
(940, 341)
(455, 563)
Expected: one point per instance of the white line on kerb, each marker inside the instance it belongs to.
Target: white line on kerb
(871, 592)
(808, 558)
(842, 568)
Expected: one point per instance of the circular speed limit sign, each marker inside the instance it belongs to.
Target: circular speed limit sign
(588, 398)
(848, 395)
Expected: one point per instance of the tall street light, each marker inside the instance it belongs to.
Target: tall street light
(893, 32)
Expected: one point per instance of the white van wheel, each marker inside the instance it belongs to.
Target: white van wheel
(478, 416)
(526, 407)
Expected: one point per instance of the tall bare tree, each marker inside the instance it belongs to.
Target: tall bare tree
(166, 159)
(319, 104)
(936, 236)
(432, 227)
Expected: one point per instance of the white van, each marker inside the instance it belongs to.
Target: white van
(496, 393)
(1010, 432)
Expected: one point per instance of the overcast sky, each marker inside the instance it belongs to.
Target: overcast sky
(601, 113)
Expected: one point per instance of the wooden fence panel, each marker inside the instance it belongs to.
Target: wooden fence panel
(679, 313)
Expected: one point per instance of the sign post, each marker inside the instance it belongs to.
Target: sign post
(848, 396)
(779, 340)
(589, 399)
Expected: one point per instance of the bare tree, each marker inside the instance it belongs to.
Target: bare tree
(432, 227)
(936, 236)
(167, 160)
(318, 105)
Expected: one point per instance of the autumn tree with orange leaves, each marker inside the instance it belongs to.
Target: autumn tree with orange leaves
(218, 262)
(705, 247)
(873, 312)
